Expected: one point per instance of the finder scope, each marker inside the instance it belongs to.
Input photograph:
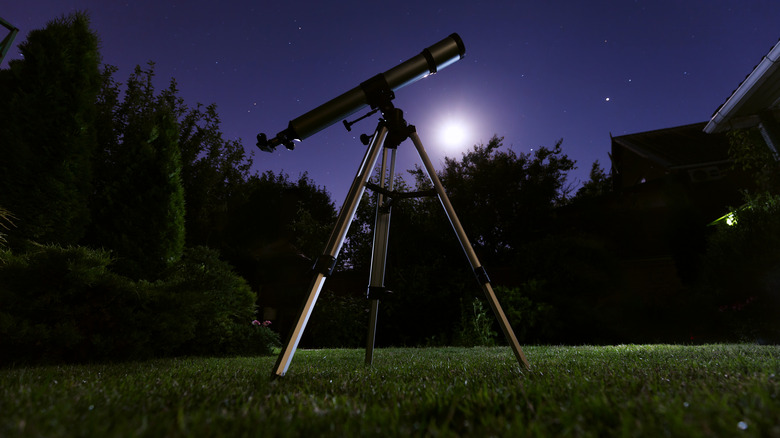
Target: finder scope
(374, 92)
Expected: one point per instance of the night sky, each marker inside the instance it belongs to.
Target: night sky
(534, 71)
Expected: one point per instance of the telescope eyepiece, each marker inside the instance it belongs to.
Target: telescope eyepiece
(284, 138)
(262, 143)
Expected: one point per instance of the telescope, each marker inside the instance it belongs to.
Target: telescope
(391, 129)
(375, 92)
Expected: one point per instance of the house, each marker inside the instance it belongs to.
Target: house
(754, 104)
(666, 178)
(661, 177)
(645, 166)
(669, 184)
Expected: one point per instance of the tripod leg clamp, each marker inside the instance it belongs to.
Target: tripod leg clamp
(324, 265)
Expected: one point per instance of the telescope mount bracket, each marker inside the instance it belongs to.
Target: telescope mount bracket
(380, 97)
(378, 92)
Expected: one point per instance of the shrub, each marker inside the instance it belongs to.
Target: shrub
(338, 321)
(204, 307)
(531, 318)
(738, 290)
(5, 221)
(571, 282)
(64, 304)
(476, 325)
(263, 340)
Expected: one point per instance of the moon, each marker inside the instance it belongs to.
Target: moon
(453, 133)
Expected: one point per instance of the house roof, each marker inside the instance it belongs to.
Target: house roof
(678, 148)
(759, 92)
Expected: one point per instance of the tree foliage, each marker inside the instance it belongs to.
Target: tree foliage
(271, 217)
(505, 199)
(213, 170)
(598, 184)
(47, 138)
(749, 153)
(738, 289)
(273, 207)
(6, 222)
(67, 304)
(739, 272)
(139, 208)
(125, 168)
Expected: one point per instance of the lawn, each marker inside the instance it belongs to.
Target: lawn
(631, 390)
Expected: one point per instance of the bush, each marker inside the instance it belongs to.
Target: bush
(263, 340)
(204, 307)
(338, 321)
(5, 222)
(739, 289)
(65, 304)
(568, 293)
(476, 325)
(531, 319)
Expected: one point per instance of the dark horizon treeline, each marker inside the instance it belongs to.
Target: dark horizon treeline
(118, 165)
(144, 183)
(124, 168)
(146, 216)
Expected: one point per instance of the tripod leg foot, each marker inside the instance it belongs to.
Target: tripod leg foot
(509, 334)
(372, 332)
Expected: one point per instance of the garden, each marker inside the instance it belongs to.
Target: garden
(146, 275)
(623, 390)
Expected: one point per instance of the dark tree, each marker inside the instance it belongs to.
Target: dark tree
(600, 183)
(505, 199)
(738, 297)
(271, 217)
(500, 197)
(139, 207)
(750, 154)
(273, 208)
(213, 169)
(47, 139)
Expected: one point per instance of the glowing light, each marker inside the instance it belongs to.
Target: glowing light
(453, 133)
(729, 219)
(457, 128)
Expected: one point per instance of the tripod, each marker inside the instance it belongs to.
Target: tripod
(390, 132)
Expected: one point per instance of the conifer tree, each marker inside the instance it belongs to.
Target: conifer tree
(47, 138)
(139, 208)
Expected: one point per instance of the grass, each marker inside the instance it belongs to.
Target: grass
(710, 390)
